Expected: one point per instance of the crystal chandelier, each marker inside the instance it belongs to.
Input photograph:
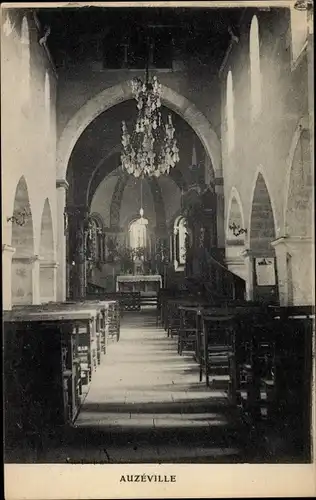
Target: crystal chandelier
(152, 148)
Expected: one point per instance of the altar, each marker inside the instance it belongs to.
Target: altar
(139, 283)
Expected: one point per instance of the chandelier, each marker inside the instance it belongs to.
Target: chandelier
(152, 148)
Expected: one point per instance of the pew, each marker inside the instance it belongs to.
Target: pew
(42, 373)
(274, 372)
(128, 301)
(90, 338)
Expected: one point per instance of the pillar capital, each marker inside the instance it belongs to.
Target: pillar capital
(246, 253)
(234, 261)
(62, 183)
(28, 259)
(45, 264)
(292, 241)
(8, 249)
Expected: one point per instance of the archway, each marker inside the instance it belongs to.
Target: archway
(299, 203)
(262, 234)
(22, 240)
(123, 92)
(47, 255)
(298, 248)
(109, 98)
(235, 235)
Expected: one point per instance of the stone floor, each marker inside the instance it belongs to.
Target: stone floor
(149, 403)
(146, 404)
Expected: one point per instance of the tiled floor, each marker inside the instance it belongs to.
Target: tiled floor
(146, 404)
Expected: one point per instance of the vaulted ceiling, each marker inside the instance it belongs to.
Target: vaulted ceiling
(79, 33)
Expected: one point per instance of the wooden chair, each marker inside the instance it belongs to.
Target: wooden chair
(217, 349)
(187, 331)
(173, 318)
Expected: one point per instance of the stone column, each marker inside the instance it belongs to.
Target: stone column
(25, 280)
(175, 234)
(35, 262)
(48, 281)
(249, 273)
(7, 254)
(296, 282)
(61, 187)
(237, 266)
(220, 212)
(284, 281)
(77, 216)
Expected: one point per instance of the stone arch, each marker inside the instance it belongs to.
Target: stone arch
(298, 207)
(235, 216)
(47, 256)
(95, 181)
(262, 221)
(92, 184)
(98, 218)
(235, 243)
(123, 92)
(22, 240)
(262, 231)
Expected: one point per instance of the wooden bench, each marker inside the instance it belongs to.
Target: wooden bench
(42, 372)
(88, 334)
(114, 312)
(274, 371)
(128, 301)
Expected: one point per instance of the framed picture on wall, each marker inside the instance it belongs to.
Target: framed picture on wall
(265, 271)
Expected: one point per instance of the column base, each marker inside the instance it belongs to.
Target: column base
(7, 255)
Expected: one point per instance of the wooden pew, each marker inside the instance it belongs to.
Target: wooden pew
(128, 301)
(89, 347)
(274, 368)
(42, 373)
(115, 310)
(109, 321)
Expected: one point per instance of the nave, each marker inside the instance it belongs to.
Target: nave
(145, 404)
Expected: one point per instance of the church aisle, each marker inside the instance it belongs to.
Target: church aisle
(146, 404)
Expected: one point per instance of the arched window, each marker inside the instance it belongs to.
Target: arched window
(25, 62)
(138, 233)
(255, 72)
(230, 112)
(180, 233)
(47, 101)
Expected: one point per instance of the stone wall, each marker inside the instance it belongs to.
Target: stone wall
(28, 137)
(265, 144)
